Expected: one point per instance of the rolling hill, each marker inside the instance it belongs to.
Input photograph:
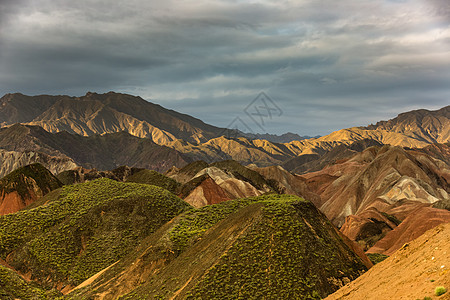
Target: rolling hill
(87, 227)
(24, 186)
(272, 246)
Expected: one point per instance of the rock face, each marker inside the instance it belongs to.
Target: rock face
(412, 272)
(369, 194)
(24, 186)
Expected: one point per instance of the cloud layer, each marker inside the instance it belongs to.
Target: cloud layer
(327, 64)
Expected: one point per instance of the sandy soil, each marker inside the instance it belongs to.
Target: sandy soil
(413, 272)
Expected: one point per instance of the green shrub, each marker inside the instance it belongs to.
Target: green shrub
(440, 290)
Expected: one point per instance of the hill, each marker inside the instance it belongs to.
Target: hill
(370, 193)
(280, 247)
(80, 174)
(154, 178)
(82, 230)
(108, 114)
(24, 186)
(413, 272)
(104, 152)
(206, 184)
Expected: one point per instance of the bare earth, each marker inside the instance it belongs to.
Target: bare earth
(413, 272)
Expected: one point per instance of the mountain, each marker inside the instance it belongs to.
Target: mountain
(314, 162)
(104, 152)
(12, 160)
(280, 247)
(86, 228)
(273, 138)
(415, 129)
(369, 194)
(104, 113)
(429, 126)
(111, 113)
(24, 186)
(413, 272)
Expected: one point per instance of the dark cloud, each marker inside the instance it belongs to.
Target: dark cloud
(327, 64)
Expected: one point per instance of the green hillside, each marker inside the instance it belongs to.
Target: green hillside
(88, 227)
(12, 287)
(273, 246)
(154, 178)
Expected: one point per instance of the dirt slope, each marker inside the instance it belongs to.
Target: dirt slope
(413, 272)
(417, 223)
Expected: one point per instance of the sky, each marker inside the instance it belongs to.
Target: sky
(308, 66)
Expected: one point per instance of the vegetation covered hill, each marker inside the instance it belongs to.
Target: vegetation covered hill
(24, 186)
(84, 229)
(278, 247)
(154, 178)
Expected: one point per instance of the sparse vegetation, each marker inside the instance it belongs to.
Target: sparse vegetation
(376, 258)
(89, 227)
(288, 250)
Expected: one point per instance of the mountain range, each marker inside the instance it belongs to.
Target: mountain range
(109, 196)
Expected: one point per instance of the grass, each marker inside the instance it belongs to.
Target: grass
(90, 226)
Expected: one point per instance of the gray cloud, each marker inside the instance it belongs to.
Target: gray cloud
(328, 64)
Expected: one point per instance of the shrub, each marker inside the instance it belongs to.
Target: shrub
(440, 290)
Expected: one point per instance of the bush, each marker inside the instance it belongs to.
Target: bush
(440, 290)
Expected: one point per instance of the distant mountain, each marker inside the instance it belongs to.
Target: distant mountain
(104, 113)
(111, 113)
(104, 152)
(24, 186)
(428, 126)
(284, 138)
(415, 129)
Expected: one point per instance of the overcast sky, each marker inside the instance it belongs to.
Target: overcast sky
(326, 65)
